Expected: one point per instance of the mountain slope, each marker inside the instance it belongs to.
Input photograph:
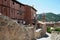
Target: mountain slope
(58, 14)
(49, 17)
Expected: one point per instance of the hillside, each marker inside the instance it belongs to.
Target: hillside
(58, 14)
(50, 17)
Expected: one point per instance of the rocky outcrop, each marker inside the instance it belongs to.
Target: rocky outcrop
(10, 30)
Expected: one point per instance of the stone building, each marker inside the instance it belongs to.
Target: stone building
(30, 14)
(12, 9)
(17, 11)
(57, 24)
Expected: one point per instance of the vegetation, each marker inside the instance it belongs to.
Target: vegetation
(49, 17)
(57, 29)
(49, 29)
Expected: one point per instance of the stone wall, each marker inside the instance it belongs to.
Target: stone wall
(30, 33)
(38, 33)
(10, 30)
(55, 35)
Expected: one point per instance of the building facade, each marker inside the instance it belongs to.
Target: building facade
(30, 14)
(17, 11)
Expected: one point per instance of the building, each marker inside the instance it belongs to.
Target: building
(12, 9)
(18, 11)
(57, 24)
(42, 25)
(30, 14)
(50, 24)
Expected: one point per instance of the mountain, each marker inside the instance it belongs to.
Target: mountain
(49, 17)
(38, 15)
(58, 14)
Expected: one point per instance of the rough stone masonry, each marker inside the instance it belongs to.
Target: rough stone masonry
(55, 35)
(10, 30)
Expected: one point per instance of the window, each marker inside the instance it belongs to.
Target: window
(4, 11)
(13, 3)
(21, 12)
(34, 15)
(18, 12)
(20, 21)
(5, 0)
(20, 6)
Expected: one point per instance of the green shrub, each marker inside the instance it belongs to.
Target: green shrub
(49, 29)
(57, 29)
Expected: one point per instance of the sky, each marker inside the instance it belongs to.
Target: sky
(44, 6)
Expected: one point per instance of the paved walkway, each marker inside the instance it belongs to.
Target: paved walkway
(46, 38)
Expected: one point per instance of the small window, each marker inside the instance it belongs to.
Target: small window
(4, 9)
(21, 12)
(5, 0)
(17, 12)
(13, 3)
(20, 6)
(33, 14)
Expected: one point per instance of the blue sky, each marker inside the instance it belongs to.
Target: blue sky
(44, 6)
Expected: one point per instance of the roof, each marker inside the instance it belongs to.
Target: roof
(49, 22)
(23, 4)
(46, 22)
(18, 2)
(40, 22)
(33, 8)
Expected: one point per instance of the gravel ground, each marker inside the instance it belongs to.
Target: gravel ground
(46, 38)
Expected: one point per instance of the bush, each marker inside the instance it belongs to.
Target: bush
(49, 29)
(57, 29)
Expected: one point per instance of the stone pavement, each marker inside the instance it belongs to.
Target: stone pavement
(46, 38)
